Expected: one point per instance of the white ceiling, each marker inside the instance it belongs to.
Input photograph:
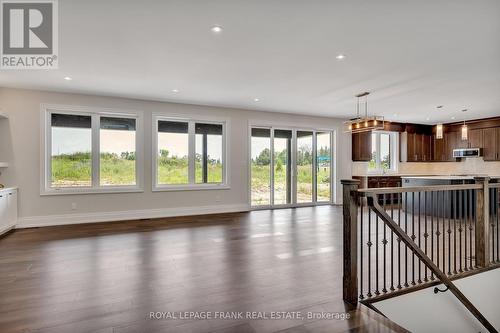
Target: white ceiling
(412, 55)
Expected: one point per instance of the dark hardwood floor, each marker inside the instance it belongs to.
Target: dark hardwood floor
(108, 277)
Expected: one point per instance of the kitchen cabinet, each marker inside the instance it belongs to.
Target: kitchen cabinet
(415, 147)
(8, 209)
(475, 137)
(452, 141)
(362, 146)
(491, 144)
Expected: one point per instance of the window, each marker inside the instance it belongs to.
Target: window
(384, 152)
(88, 150)
(172, 158)
(117, 151)
(189, 154)
(208, 153)
(290, 167)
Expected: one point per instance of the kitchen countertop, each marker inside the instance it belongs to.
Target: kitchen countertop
(450, 177)
(8, 188)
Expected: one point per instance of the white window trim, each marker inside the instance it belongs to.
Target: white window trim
(394, 137)
(225, 185)
(46, 144)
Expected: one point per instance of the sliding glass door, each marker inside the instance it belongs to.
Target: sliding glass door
(282, 167)
(323, 166)
(290, 167)
(305, 169)
(260, 167)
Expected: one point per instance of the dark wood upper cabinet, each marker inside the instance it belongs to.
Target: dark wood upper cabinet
(476, 138)
(452, 141)
(491, 144)
(440, 150)
(415, 147)
(362, 146)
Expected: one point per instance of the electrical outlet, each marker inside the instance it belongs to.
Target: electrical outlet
(73, 206)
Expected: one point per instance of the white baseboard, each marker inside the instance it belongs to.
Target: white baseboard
(6, 229)
(51, 220)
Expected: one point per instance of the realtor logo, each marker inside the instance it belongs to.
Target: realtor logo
(29, 34)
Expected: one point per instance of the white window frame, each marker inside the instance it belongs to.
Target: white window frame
(192, 185)
(394, 141)
(95, 113)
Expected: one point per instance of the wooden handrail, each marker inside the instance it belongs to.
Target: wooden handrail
(432, 188)
(380, 212)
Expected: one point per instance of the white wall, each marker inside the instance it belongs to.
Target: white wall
(20, 146)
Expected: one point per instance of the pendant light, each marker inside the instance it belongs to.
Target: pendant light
(439, 131)
(465, 131)
(439, 127)
(363, 123)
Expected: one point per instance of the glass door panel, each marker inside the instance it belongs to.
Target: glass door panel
(323, 166)
(260, 168)
(304, 166)
(282, 167)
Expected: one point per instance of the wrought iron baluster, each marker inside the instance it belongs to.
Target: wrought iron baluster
(406, 247)
(471, 227)
(438, 233)
(392, 245)
(384, 244)
(433, 211)
(419, 235)
(369, 244)
(400, 200)
(460, 212)
(377, 291)
(466, 224)
(444, 231)
(453, 204)
(361, 276)
(413, 237)
(426, 235)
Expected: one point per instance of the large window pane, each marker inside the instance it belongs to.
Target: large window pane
(173, 148)
(372, 165)
(118, 151)
(323, 166)
(208, 157)
(304, 166)
(260, 167)
(282, 167)
(385, 151)
(71, 158)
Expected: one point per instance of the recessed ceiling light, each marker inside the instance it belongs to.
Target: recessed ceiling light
(256, 100)
(217, 29)
(175, 91)
(340, 56)
(427, 118)
(452, 118)
(67, 78)
(395, 115)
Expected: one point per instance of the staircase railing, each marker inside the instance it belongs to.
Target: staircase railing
(398, 240)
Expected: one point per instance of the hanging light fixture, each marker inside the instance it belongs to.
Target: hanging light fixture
(439, 126)
(439, 131)
(465, 131)
(363, 123)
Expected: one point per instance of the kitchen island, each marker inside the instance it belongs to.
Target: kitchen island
(448, 204)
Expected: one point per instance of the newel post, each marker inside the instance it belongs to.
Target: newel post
(350, 251)
(482, 222)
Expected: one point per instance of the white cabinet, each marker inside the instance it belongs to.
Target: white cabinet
(8, 209)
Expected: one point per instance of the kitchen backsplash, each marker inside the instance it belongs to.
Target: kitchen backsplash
(467, 166)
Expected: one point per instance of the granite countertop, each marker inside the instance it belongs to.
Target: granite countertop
(450, 177)
(8, 188)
